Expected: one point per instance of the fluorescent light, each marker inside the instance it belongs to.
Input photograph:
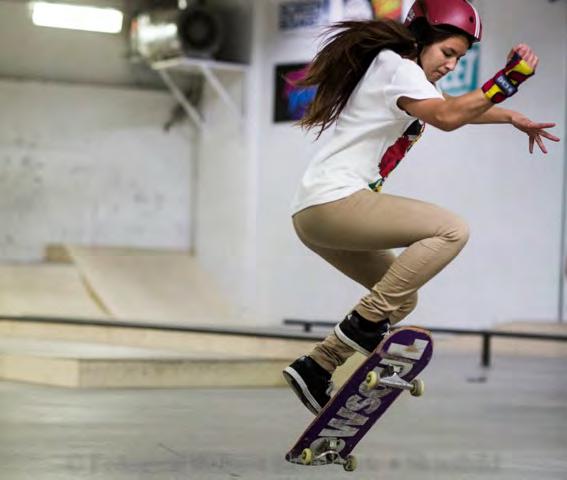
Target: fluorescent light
(75, 17)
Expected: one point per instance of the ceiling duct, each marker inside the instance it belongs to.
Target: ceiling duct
(162, 33)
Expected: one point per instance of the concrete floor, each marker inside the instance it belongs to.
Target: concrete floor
(513, 426)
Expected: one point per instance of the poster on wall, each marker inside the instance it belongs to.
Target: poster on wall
(464, 78)
(291, 101)
(368, 9)
(387, 9)
(357, 10)
(302, 14)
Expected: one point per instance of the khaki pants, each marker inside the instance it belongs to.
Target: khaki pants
(355, 235)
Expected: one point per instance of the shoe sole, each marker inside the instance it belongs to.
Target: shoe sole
(299, 387)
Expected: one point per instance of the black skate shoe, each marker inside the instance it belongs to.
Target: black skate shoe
(361, 334)
(310, 382)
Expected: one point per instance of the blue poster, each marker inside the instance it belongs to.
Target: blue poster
(464, 78)
(303, 14)
(292, 100)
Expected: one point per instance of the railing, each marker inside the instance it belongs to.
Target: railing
(307, 326)
(486, 349)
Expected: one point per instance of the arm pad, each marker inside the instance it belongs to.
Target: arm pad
(506, 82)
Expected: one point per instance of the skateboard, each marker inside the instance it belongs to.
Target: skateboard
(364, 398)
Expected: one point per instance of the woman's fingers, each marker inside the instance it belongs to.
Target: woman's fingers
(527, 54)
(540, 144)
(536, 132)
(531, 59)
(549, 136)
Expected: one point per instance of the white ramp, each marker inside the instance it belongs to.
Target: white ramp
(45, 290)
(153, 285)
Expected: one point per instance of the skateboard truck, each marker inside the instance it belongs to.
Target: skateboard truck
(393, 380)
(330, 455)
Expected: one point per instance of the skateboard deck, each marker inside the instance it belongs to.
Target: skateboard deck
(364, 398)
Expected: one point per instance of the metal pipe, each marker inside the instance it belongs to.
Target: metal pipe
(563, 252)
(180, 97)
(563, 246)
(486, 353)
(563, 257)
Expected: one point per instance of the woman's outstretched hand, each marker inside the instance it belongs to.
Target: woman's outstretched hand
(535, 131)
(527, 54)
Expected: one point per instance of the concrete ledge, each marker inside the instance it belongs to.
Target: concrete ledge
(81, 364)
(181, 373)
(141, 373)
(151, 373)
(200, 362)
(174, 341)
(54, 371)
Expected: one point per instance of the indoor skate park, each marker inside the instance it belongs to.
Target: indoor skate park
(152, 287)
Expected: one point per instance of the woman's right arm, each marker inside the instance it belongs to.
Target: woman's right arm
(455, 112)
(449, 114)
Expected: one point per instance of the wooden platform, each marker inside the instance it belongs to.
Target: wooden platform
(89, 356)
(79, 364)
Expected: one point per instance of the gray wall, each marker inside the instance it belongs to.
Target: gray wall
(43, 53)
(83, 159)
(89, 165)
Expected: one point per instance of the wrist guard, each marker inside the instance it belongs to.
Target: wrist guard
(506, 82)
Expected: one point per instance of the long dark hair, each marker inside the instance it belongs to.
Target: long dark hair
(348, 52)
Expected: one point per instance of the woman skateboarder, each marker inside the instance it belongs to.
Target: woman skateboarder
(376, 83)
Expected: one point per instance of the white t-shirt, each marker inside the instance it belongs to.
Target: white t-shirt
(371, 136)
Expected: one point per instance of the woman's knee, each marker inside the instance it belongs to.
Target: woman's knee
(456, 231)
(410, 304)
(405, 309)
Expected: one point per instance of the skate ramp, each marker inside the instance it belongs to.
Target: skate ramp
(151, 285)
(45, 290)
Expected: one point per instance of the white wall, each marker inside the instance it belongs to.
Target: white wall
(292, 282)
(28, 51)
(512, 200)
(223, 226)
(90, 165)
(226, 177)
(83, 159)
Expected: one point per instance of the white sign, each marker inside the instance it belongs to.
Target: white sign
(299, 14)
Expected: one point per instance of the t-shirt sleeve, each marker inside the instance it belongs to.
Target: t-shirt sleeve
(410, 81)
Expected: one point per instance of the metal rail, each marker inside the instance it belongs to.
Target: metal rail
(307, 334)
(563, 246)
(486, 350)
(148, 325)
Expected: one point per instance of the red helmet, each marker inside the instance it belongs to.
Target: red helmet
(456, 13)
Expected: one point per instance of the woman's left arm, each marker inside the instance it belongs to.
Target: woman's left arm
(534, 130)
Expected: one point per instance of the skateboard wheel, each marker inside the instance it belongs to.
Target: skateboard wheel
(307, 456)
(350, 464)
(372, 380)
(418, 387)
